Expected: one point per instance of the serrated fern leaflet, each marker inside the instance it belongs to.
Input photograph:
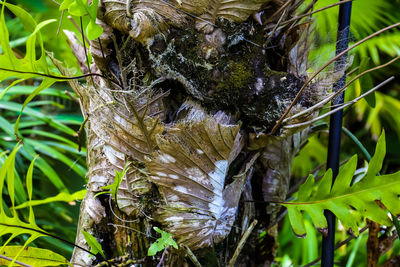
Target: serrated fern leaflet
(350, 203)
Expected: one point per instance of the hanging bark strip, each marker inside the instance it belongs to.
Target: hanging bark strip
(328, 242)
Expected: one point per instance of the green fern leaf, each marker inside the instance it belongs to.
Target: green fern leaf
(349, 203)
(94, 244)
(112, 189)
(62, 197)
(161, 243)
(12, 224)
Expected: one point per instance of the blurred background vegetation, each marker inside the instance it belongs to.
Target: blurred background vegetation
(50, 122)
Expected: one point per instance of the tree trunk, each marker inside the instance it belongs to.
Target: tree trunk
(188, 94)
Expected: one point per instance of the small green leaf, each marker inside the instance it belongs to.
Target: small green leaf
(77, 8)
(65, 4)
(33, 256)
(366, 82)
(12, 224)
(375, 165)
(94, 245)
(93, 31)
(161, 243)
(305, 189)
(113, 188)
(344, 176)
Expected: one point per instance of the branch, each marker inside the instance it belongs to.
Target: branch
(241, 243)
(326, 100)
(340, 107)
(308, 81)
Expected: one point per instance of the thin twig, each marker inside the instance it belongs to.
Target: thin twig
(71, 96)
(55, 2)
(84, 48)
(279, 11)
(131, 228)
(338, 245)
(61, 78)
(80, 131)
(308, 81)
(59, 24)
(326, 100)
(76, 26)
(302, 180)
(162, 258)
(116, 216)
(17, 262)
(313, 12)
(340, 107)
(192, 257)
(242, 242)
(118, 55)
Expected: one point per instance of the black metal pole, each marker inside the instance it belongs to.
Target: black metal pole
(328, 242)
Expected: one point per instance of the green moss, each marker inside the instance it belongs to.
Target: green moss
(237, 75)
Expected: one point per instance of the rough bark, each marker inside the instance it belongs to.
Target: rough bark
(192, 90)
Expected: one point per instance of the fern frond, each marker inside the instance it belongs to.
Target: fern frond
(349, 203)
(12, 224)
(387, 43)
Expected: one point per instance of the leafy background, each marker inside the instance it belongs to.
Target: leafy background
(51, 119)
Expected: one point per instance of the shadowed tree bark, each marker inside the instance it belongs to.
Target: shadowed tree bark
(192, 90)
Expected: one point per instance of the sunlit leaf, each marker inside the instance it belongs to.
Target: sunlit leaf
(32, 256)
(93, 243)
(349, 203)
(62, 197)
(161, 243)
(13, 224)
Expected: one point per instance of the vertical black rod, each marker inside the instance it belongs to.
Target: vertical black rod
(328, 242)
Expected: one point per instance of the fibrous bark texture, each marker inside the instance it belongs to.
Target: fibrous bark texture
(188, 94)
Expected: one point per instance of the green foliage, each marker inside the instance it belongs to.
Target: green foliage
(33, 256)
(80, 8)
(62, 197)
(30, 64)
(112, 189)
(308, 157)
(45, 133)
(349, 203)
(94, 245)
(367, 17)
(161, 243)
(12, 224)
(56, 147)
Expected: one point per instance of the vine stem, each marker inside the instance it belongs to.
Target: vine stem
(17, 262)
